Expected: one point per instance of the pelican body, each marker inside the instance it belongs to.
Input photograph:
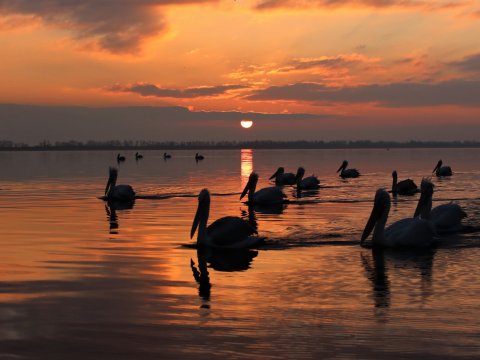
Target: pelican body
(404, 187)
(446, 218)
(347, 173)
(283, 178)
(227, 232)
(406, 233)
(267, 196)
(199, 157)
(442, 170)
(308, 183)
(120, 158)
(138, 156)
(114, 192)
(166, 156)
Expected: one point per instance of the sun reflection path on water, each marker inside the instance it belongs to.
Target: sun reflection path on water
(246, 165)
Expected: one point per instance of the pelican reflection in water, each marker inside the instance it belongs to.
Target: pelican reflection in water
(272, 195)
(446, 218)
(226, 232)
(347, 173)
(118, 193)
(409, 232)
(441, 170)
(404, 187)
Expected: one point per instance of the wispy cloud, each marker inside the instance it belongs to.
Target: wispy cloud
(118, 26)
(453, 92)
(339, 61)
(146, 89)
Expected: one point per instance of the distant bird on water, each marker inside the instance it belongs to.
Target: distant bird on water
(283, 178)
(347, 173)
(405, 233)
(138, 156)
(120, 158)
(442, 170)
(404, 187)
(199, 157)
(272, 195)
(227, 232)
(308, 183)
(114, 192)
(166, 156)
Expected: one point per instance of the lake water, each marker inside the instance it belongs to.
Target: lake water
(79, 280)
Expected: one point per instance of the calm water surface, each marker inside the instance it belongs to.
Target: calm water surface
(80, 280)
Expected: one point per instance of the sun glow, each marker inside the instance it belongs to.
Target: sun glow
(246, 124)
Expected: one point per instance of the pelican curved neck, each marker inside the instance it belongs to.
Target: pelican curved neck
(378, 237)
(203, 214)
(394, 183)
(251, 190)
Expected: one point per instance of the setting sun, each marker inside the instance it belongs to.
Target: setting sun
(246, 124)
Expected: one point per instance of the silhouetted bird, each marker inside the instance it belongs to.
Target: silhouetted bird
(199, 157)
(138, 156)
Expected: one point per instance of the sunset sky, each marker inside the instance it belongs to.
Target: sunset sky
(308, 69)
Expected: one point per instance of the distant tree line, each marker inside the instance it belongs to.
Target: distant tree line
(257, 144)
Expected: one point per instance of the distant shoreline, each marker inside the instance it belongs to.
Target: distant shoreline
(225, 145)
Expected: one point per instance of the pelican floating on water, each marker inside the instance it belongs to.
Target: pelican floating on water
(115, 192)
(166, 156)
(283, 178)
(410, 232)
(446, 218)
(347, 173)
(199, 157)
(267, 196)
(404, 187)
(138, 156)
(442, 170)
(120, 158)
(226, 232)
(308, 183)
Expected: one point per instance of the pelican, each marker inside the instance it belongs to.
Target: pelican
(226, 232)
(120, 158)
(115, 192)
(267, 196)
(442, 170)
(199, 157)
(347, 173)
(283, 178)
(404, 187)
(138, 156)
(410, 232)
(446, 218)
(166, 156)
(308, 183)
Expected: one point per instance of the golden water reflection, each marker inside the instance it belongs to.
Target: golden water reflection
(246, 165)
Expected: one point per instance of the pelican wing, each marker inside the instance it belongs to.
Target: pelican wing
(310, 182)
(269, 195)
(410, 232)
(447, 217)
(350, 173)
(230, 231)
(407, 187)
(444, 171)
(122, 193)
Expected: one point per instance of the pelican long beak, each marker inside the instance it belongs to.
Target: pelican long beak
(341, 167)
(376, 213)
(246, 189)
(274, 175)
(420, 205)
(436, 167)
(196, 219)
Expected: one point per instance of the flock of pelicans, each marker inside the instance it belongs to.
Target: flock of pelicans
(233, 232)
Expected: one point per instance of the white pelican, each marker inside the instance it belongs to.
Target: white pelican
(283, 178)
(404, 187)
(446, 218)
(138, 156)
(442, 170)
(120, 158)
(199, 157)
(410, 232)
(226, 232)
(166, 156)
(272, 195)
(347, 173)
(308, 183)
(115, 192)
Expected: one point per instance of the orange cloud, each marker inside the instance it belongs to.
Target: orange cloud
(146, 89)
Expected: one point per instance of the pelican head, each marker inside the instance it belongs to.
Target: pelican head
(112, 179)
(343, 166)
(381, 206)
(425, 202)
(279, 171)
(202, 212)
(251, 185)
(439, 165)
